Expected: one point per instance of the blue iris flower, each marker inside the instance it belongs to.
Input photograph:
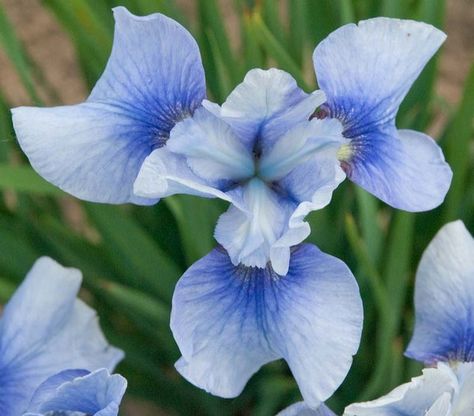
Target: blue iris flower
(94, 150)
(444, 334)
(260, 295)
(44, 331)
(366, 70)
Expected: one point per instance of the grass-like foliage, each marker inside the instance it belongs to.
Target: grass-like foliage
(132, 256)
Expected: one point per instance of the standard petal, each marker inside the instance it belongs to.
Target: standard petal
(266, 104)
(300, 144)
(223, 314)
(44, 329)
(403, 168)
(164, 173)
(153, 79)
(211, 148)
(97, 393)
(444, 298)
(367, 69)
(433, 390)
(301, 409)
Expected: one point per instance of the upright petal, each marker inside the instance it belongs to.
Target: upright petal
(429, 394)
(44, 329)
(223, 314)
(94, 150)
(302, 409)
(366, 71)
(211, 148)
(95, 394)
(266, 104)
(444, 298)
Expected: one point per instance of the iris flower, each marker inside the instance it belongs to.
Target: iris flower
(54, 358)
(444, 334)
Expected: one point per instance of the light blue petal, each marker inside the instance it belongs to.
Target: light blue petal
(211, 148)
(404, 168)
(301, 409)
(298, 145)
(248, 233)
(95, 394)
(366, 71)
(223, 315)
(444, 298)
(265, 105)
(429, 394)
(44, 329)
(165, 173)
(94, 150)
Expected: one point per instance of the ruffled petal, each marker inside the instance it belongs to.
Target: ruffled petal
(444, 298)
(403, 168)
(97, 393)
(211, 148)
(164, 173)
(432, 391)
(153, 79)
(300, 144)
(367, 69)
(267, 104)
(302, 409)
(248, 232)
(223, 314)
(44, 329)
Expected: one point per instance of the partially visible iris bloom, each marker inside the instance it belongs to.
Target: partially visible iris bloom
(366, 70)
(54, 359)
(444, 334)
(301, 409)
(94, 150)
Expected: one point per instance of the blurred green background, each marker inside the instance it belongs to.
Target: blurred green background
(131, 257)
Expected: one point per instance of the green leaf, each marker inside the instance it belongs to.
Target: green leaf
(17, 55)
(276, 50)
(458, 138)
(133, 252)
(25, 179)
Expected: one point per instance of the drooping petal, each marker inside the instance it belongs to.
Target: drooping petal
(248, 233)
(366, 71)
(302, 409)
(431, 392)
(266, 104)
(404, 168)
(223, 314)
(97, 394)
(464, 401)
(44, 329)
(94, 150)
(444, 298)
(211, 148)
